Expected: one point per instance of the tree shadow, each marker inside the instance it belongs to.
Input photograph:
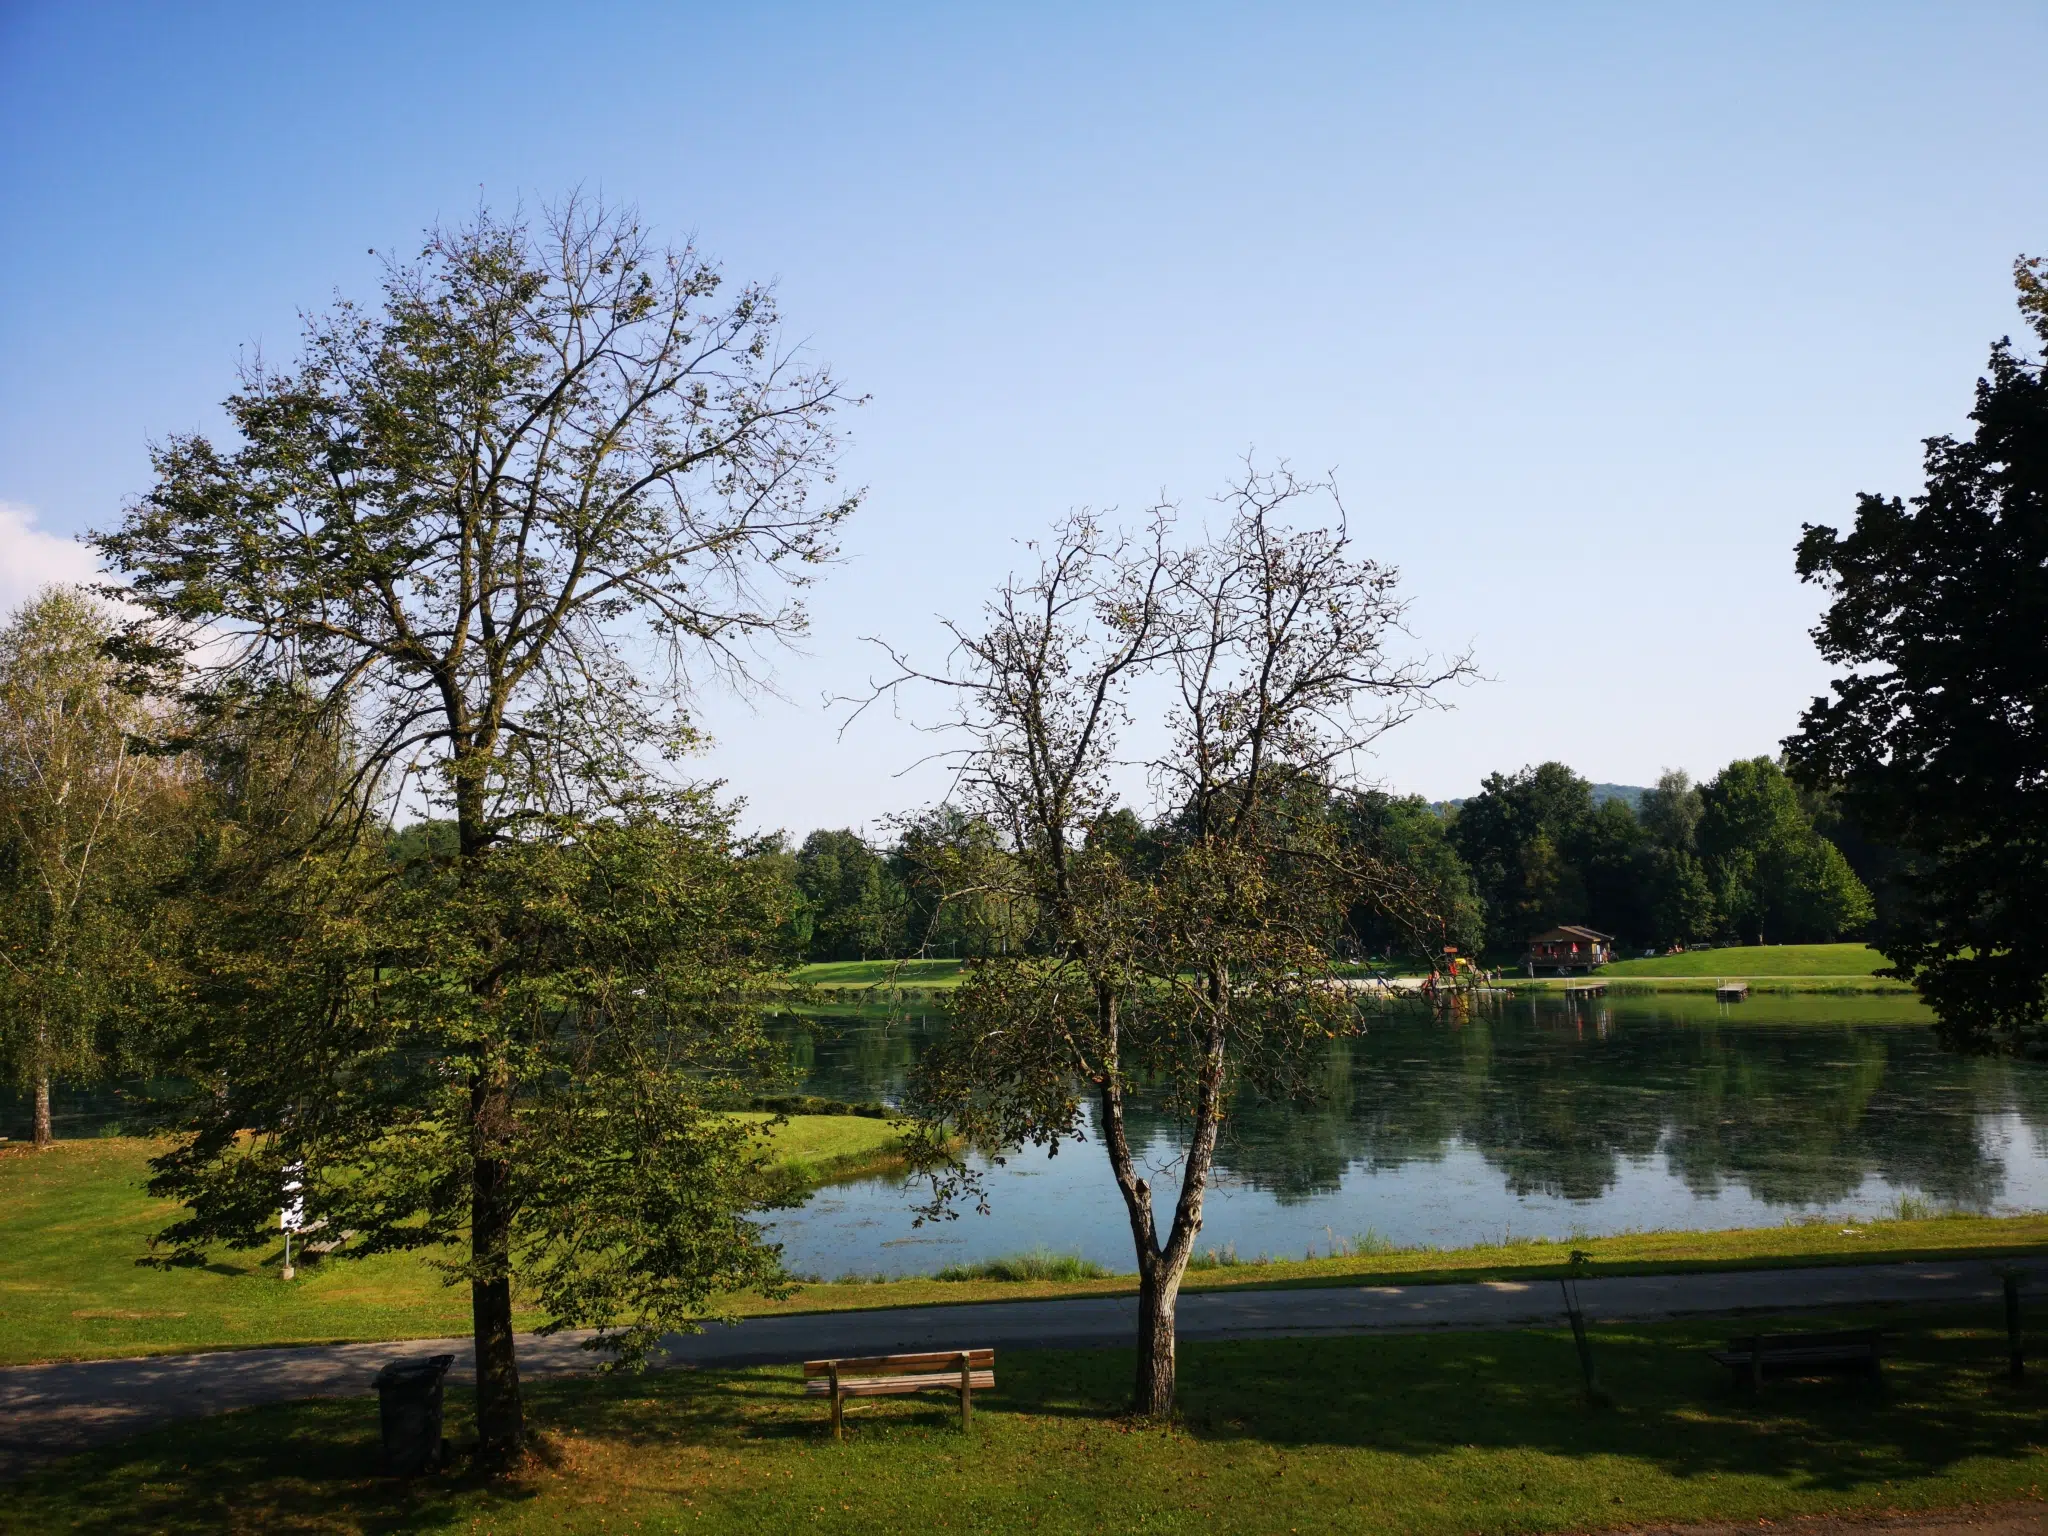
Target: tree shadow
(313, 1465)
(1942, 1401)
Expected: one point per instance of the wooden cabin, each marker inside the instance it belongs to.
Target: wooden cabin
(1570, 948)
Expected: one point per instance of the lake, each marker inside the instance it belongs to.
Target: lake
(1527, 1117)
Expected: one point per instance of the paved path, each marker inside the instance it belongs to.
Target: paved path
(48, 1410)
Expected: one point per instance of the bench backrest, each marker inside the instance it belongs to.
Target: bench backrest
(1773, 1342)
(904, 1365)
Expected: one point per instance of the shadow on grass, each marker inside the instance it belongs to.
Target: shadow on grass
(1943, 1401)
(313, 1466)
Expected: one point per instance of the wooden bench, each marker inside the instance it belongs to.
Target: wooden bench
(1857, 1351)
(965, 1371)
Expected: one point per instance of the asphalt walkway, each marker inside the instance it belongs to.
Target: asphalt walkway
(52, 1410)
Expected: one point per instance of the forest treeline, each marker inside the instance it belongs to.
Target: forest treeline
(1746, 857)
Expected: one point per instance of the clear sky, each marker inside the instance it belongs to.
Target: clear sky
(1588, 308)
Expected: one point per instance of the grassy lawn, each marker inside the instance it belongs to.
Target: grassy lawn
(1793, 967)
(1758, 961)
(74, 1220)
(1400, 1434)
(881, 973)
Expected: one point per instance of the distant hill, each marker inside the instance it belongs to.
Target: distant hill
(1602, 793)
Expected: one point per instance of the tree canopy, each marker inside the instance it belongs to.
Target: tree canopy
(484, 539)
(89, 827)
(1932, 735)
(1192, 955)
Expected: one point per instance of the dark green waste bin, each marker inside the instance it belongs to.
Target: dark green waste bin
(409, 1407)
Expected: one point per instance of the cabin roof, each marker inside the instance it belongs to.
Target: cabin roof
(1572, 932)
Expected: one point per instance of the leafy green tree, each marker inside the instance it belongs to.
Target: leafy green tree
(1774, 876)
(1933, 731)
(1682, 909)
(1407, 833)
(633, 956)
(858, 907)
(1519, 836)
(1617, 862)
(494, 529)
(962, 895)
(1671, 811)
(88, 827)
(1680, 906)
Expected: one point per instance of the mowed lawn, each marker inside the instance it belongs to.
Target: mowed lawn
(1760, 960)
(881, 973)
(1414, 1433)
(74, 1221)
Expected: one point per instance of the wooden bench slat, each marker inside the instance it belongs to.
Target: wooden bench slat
(1784, 1341)
(1794, 1356)
(965, 1371)
(1758, 1355)
(883, 1386)
(884, 1365)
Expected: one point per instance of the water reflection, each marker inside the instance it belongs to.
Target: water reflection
(1532, 1115)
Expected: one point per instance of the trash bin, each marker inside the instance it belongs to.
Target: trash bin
(409, 1408)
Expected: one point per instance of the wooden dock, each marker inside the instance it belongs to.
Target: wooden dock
(1731, 991)
(1585, 989)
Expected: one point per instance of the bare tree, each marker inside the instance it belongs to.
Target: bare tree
(501, 525)
(1205, 963)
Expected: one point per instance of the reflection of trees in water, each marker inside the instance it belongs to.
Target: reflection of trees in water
(856, 1056)
(1555, 1099)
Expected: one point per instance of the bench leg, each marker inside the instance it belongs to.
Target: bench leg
(966, 1392)
(838, 1415)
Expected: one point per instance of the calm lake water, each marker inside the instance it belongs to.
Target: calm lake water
(1527, 1118)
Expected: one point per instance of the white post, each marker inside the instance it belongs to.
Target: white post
(292, 1215)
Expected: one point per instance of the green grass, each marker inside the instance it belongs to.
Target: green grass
(1413, 1433)
(1762, 960)
(1923, 1235)
(819, 1147)
(1035, 1265)
(882, 973)
(74, 1220)
(1790, 967)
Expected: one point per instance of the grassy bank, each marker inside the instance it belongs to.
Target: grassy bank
(1637, 984)
(1921, 1237)
(1758, 962)
(1788, 968)
(1398, 1434)
(907, 977)
(73, 1222)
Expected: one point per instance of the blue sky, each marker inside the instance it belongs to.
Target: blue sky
(1588, 308)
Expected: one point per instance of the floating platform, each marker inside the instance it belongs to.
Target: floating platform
(1731, 991)
(1585, 989)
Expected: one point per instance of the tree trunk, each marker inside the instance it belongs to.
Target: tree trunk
(43, 1135)
(1158, 1296)
(500, 1416)
(1160, 1270)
